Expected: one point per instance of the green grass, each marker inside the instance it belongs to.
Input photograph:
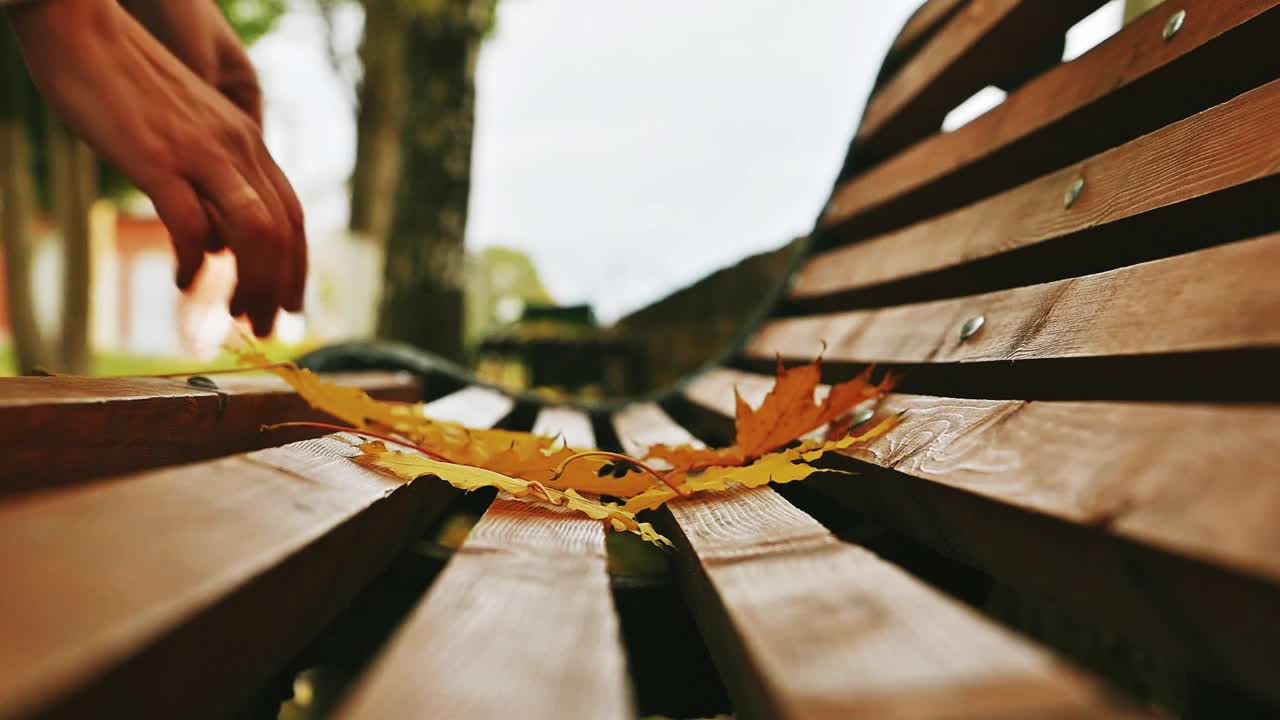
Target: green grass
(110, 363)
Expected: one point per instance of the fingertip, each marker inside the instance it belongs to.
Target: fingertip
(186, 275)
(236, 309)
(188, 224)
(297, 294)
(262, 321)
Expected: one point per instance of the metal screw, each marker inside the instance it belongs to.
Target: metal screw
(862, 416)
(972, 326)
(1073, 192)
(1174, 24)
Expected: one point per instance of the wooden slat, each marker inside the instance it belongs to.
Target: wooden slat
(1155, 520)
(921, 26)
(1208, 153)
(66, 429)
(520, 623)
(475, 406)
(1071, 112)
(573, 425)
(804, 626)
(1125, 466)
(185, 589)
(981, 44)
(1222, 298)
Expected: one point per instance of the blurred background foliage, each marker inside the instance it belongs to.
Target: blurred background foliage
(71, 226)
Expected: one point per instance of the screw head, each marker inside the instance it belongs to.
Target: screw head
(972, 326)
(1174, 24)
(862, 416)
(201, 381)
(1072, 193)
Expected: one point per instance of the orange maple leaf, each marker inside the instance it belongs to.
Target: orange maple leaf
(788, 413)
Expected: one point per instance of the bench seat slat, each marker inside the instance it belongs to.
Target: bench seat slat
(56, 430)
(976, 47)
(520, 623)
(188, 587)
(1222, 298)
(474, 406)
(1047, 494)
(804, 626)
(1217, 151)
(1069, 112)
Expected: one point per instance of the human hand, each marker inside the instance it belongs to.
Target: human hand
(198, 156)
(197, 34)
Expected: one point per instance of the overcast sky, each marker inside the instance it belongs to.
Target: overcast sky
(628, 147)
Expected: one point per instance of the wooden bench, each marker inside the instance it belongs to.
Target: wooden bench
(1081, 288)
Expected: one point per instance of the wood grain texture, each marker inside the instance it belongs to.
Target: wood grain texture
(979, 45)
(1207, 153)
(475, 406)
(1222, 298)
(185, 589)
(1152, 521)
(920, 26)
(804, 626)
(642, 425)
(1188, 478)
(57, 430)
(573, 425)
(1136, 74)
(520, 624)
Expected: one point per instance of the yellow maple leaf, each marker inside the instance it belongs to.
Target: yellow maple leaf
(786, 466)
(411, 466)
(515, 454)
(537, 467)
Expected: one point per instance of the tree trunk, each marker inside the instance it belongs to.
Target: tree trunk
(74, 181)
(379, 121)
(423, 271)
(16, 203)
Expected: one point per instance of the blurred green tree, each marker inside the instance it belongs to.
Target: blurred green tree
(17, 204)
(422, 296)
(252, 19)
(409, 189)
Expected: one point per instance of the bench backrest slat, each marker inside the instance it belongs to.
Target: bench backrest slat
(1222, 298)
(1112, 226)
(1205, 180)
(981, 44)
(1132, 84)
